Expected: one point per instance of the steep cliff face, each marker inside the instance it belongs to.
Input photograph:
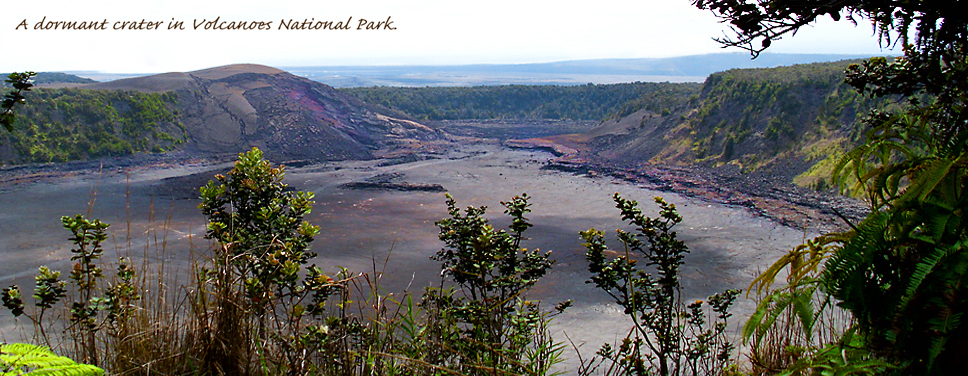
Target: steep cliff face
(233, 108)
(791, 122)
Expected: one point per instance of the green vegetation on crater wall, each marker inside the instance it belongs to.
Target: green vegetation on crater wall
(750, 116)
(581, 102)
(70, 124)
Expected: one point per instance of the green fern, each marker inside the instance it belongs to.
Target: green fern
(847, 357)
(909, 257)
(27, 359)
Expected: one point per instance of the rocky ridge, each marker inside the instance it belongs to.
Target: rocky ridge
(227, 110)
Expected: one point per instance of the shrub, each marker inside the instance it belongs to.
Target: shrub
(263, 299)
(669, 337)
(485, 324)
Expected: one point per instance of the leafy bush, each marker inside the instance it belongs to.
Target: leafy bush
(485, 324)
(669, 337)
(263, 303)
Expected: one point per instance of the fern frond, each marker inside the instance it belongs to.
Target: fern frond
(27, 359)
(928, 177)
(921, 271)
(844, 274)
(753, 323)
(803, 307)
(797, 298)
(803, 261)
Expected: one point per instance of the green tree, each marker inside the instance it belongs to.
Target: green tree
(20, 83)
(901, 271)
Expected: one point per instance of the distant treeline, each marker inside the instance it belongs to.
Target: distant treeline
(68, 124)
(54, 77)
(582, 102)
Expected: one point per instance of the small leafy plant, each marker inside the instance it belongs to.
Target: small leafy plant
(50, 289)
(263, 294)
(669, 337)
(485, 323)
(92, 309)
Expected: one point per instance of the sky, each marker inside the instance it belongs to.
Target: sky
(427, 32)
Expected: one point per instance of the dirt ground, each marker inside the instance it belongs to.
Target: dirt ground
(152, 216)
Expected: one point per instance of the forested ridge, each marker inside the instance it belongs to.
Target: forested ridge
(44, 78)
(71, 124)
(794, 122)
(581, 102)
(751, 116)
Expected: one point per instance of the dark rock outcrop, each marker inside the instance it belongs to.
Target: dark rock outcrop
(392, 182)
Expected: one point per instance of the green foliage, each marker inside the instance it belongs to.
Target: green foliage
(25, 359)
(87, 237)
(92, 309)
(21, 83)
(259, 224)
(908, 257)
(900, 271)
(487, 321)
(846, 357)
(669, 337)
(485, 261)
(262, 291)
(13, 300)
(662, 100)
(49, 290)
(71, 124)
(762, 113)
(579, 102)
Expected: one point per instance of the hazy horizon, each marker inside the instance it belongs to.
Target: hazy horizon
(690, 68)
(424, 32)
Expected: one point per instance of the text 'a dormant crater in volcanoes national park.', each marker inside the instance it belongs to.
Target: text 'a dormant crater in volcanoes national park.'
(216, 24)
